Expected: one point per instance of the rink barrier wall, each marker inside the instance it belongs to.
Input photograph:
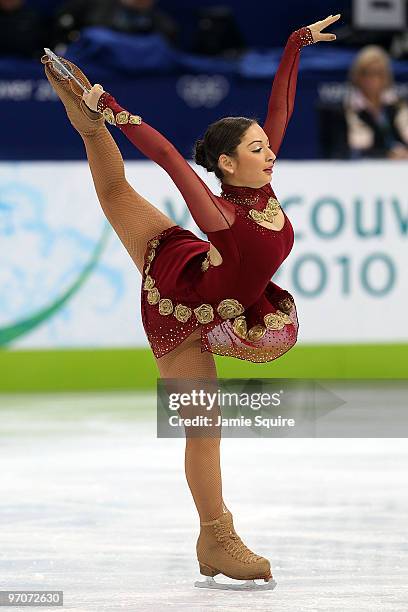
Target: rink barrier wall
(109, 369)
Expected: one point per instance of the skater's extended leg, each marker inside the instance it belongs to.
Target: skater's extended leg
(202, 454)
(134, 219)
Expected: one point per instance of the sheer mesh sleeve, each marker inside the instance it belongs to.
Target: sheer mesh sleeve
(209, 212)
(282, 98)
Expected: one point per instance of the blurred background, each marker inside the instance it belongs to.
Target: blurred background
(69, 295)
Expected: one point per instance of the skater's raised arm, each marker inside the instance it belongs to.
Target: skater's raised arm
(282, 98)
(207, 211)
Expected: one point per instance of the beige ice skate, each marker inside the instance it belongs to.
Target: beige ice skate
(221, 551)
(83, 119)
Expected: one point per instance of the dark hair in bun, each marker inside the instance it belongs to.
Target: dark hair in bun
(200, 156)
(223, 136)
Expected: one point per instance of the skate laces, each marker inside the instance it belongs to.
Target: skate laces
(233, 544)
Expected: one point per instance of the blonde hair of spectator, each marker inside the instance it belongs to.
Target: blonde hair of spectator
(369, 55)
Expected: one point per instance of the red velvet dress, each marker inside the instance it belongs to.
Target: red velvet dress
(241, 312)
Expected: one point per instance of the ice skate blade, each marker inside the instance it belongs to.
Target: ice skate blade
(62, 68)
(248, 585)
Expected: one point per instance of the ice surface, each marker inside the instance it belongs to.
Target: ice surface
(92, 503)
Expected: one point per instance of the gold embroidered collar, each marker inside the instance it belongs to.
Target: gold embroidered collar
(248, 196)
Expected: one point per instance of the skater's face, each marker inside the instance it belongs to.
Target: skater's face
(251, 166)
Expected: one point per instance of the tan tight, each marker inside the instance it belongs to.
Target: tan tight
(202, 456)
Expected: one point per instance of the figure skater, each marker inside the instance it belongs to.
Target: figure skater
(202, 298)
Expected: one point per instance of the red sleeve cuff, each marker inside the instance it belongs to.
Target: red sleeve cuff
(113, 113)
(302, 37)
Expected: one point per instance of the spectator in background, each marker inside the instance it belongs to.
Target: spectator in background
(21, 30)
(372, 122)
(74, 15)
(217, 33)
(129, 16)
(142, 17)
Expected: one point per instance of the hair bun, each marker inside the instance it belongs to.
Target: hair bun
(200, 155)
(221, 137)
